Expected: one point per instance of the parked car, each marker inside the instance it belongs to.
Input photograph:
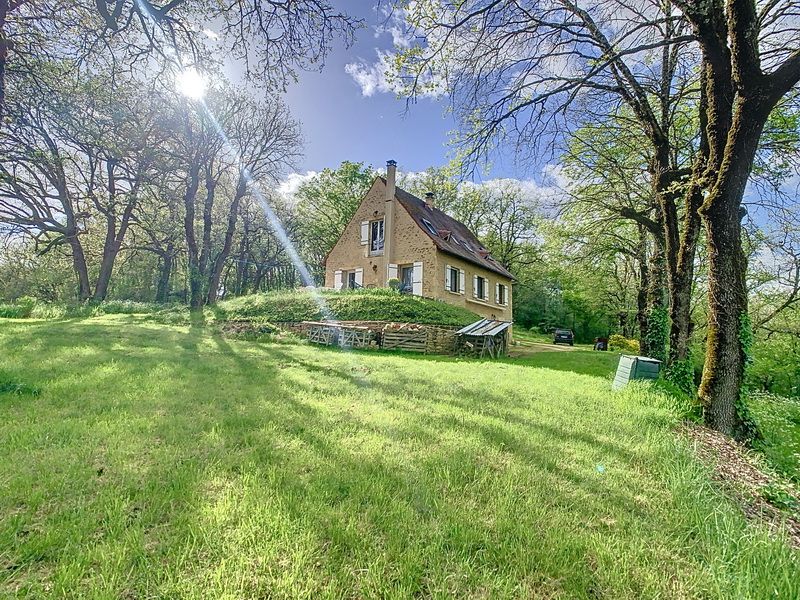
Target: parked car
(564, 336)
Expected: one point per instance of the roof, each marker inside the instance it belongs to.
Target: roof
(485, 327)
(452, 236)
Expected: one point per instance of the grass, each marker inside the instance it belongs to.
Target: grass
(779, 422)
(350, 305)
(273, 307)
(163, 462)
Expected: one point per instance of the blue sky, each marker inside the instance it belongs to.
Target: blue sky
(340, 123)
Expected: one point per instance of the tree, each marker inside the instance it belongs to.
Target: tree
(324, 206)
(529, 73)
(272, 39)
(523, 69)
(261, 140)
(750, 61)
(77, 154)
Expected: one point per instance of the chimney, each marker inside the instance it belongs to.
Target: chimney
(391, 179)
(429, 200)
(388, 219)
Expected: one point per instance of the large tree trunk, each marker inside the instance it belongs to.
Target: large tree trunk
(723, 372)
(194, 272)
(682, 278)
(222, 257)
(79, 264)
(162, 289)
(654, 339)
(641, 292)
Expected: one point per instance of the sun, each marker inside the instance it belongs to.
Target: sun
(191, 83)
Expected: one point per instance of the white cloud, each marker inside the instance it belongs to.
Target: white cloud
(289, 186)
(371, 77)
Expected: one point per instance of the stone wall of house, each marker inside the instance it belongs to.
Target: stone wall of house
(489, 309)
(408, 245)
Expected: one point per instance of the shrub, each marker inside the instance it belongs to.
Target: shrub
(351, 305)
(623, 344)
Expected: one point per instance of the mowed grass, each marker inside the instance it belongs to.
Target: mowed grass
(168, 462)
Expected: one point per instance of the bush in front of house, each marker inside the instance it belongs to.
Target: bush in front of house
(352, 305)
(622, 344)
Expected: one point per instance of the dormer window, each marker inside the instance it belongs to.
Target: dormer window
(429, 226)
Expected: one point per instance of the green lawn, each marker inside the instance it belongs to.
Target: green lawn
(167, 462)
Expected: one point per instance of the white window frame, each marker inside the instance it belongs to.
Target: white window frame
(450, 272)
(475, 286)
(371, 241)
(501, 299)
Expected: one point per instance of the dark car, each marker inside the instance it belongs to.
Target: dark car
(564, 336)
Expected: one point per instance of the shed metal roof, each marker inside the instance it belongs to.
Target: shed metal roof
(484, 327)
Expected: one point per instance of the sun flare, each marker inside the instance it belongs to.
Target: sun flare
(191, 83)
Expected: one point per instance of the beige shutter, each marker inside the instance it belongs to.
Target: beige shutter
(462, 281)
(391, 271)
(416, 279)
(360, 277)
(337, 280)
(364, 233)
(447, 278)
(475, 286)
(497, 293)
(485, 289)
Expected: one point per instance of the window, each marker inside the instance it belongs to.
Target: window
(479, 285)
(429, 226)
(502, 294)
(376, 237)
(453, 279)
(406, 279)
(351, 280)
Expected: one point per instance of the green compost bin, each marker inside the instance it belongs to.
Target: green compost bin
(635, 367)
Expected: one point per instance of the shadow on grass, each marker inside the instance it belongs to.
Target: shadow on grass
(193, 461)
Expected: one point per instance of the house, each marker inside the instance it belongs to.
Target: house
(395, 235)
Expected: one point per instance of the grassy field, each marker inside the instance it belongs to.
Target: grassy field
(779, 420)
(150, 461)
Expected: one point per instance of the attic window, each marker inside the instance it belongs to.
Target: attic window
(429, 226)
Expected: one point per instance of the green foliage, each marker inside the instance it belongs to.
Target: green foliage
(325, 204)
(657, 334)
(394, 283)
(166, 458)
(781, 496)
(776, 365)
(622, 344)
(778, 421)
(681, 373)
(350, 305)
(747, 424)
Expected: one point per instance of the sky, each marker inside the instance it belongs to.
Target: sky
(346, 115)
(341, 123)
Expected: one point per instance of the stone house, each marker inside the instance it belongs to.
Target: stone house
(395, 235)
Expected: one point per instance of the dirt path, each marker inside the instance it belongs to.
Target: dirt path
(523, 348)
